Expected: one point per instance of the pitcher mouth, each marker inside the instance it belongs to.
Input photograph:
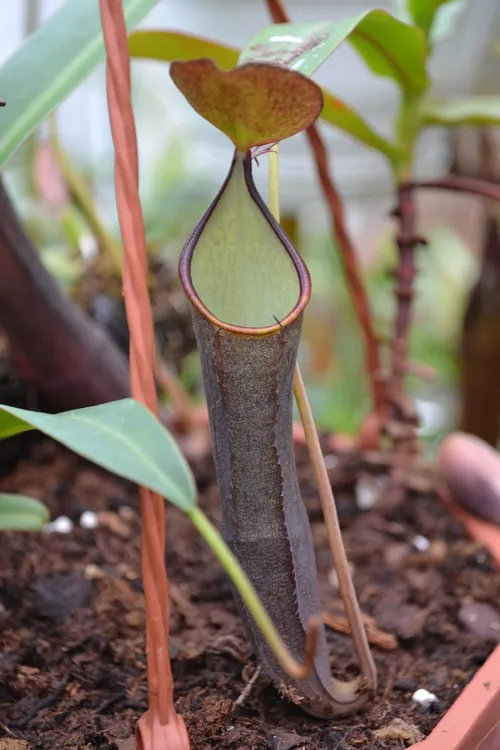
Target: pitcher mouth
(299, 265)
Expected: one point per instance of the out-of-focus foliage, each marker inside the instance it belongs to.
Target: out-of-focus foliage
(332, 355)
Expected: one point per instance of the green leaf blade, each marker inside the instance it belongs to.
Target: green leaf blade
(21, 513)
(423, 12)
(50, 64)
(389, 47)
(474, 110)
(171, 45)
(341, 116)
(123, 437)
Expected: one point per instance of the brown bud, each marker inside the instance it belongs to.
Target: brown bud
(469, 469)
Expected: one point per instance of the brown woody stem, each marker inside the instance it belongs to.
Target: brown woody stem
(401, 407)
(405, 275)
(407, 240)
(327, 499)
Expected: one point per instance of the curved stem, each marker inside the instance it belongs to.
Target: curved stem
(253, 603)
(346, 587)
(329, 509)
(458, 184)
(346, 248)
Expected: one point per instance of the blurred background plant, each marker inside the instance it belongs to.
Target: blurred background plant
(61, 181)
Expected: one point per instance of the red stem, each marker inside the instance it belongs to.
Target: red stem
(402, 418)
(407, 240)
(406, 272)
(346, 248)
(458, 184)
(160, 727)
(405, 276)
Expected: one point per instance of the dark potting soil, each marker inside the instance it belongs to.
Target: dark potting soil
(72, 665)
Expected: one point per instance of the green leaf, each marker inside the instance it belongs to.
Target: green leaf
(168, 46)
(252, 104)
(21, 513)
(424, 11)
(474, 110)
(173, 45)
(10, 425)
(389, 47)
(122, 436)
(341, 116)
(50, 64)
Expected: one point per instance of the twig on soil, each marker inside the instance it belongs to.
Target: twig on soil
(229, 644)
(242, 699)
(5, 727)
(47, 702)
(390, 682)
(108, 702)
(376, 637)
(346, 248)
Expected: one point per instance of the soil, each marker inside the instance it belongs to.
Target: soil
(72, 666)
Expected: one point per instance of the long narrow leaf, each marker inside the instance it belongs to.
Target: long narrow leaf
(122, 436)
(474, 110)
(168, 46)
(176, 45)
(423, 12)
(50, 64)
(21, 513)
(342, 116)
(389, 47)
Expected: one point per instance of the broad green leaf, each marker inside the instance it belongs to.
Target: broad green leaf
(474, 110)
(424, 11)
(122, 436)
(253, 104)
(168, 46)
(21, 513)
(50, 64)
(389, 47)
(175, 45)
